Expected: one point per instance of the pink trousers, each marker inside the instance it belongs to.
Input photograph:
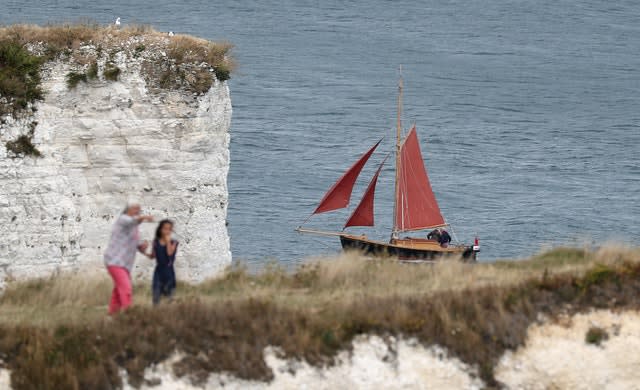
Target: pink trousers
(121, 295)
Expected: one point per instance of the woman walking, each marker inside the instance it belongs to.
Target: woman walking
(164, 251)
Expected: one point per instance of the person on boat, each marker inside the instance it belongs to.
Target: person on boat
(164, 251)
(435, 235)
(445, 238)
(121, 254)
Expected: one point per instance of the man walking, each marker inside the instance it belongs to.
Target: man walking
(121, 254)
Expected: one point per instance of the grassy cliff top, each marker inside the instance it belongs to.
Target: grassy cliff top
(50, 41)
(54, 330)
(97, 52)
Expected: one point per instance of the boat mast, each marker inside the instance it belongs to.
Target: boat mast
(394, 233)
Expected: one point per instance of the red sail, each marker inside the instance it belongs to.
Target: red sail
(363, 214)
(417, 207)
(339, 194)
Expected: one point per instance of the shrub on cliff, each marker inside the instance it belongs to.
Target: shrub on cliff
(111, 72)
(92, 72)
(19, 77)
(185, 49)
(74, 78)
(23, 146)
(596, 335)
(222, 72)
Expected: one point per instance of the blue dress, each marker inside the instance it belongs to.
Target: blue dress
(164, 276)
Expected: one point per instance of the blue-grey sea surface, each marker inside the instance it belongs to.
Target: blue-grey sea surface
(528, 111)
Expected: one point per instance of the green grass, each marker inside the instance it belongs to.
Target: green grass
(111, 72)
(222, 72)
(596, 336)
(92, 72)
(138, 50)
(75, 78)
(23, 146)
(19, 77)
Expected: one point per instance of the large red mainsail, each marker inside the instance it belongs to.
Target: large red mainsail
(417, 207)
(363, 214)
(339, 194)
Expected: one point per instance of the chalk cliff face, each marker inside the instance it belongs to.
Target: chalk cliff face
(555, 356)
(104, 142)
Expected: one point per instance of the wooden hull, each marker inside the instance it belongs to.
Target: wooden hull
(406, 249)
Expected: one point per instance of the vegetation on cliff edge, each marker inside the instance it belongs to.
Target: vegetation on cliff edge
(19, 77)
(53, 332)
(65, 39)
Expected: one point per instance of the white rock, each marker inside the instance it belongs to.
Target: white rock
(371, 365)
(5, 379)
(556, 355)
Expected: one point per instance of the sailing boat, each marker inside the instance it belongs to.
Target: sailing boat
(415, 205)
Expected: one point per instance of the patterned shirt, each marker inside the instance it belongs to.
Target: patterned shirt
(123, 244)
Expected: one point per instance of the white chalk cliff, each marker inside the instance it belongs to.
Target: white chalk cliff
(102, 143)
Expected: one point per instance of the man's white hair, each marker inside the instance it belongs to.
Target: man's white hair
(131, 203)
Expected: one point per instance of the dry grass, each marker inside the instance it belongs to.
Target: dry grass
(187, 49)
(181, 48)
(318, 284)
(350, 276)
(71, 36)
(68, 299)
(53, 331)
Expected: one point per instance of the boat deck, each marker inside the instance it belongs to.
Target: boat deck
(419, 244)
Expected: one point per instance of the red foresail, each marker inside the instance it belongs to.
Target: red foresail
(363, 214)
(339, 194)
(417, 207)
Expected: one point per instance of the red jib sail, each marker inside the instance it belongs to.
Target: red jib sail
(363, 214)
(417, 207)
(339, 194)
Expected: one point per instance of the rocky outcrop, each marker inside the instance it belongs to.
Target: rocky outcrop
(109, 138)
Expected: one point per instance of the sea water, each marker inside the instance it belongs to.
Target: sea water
(528, 112)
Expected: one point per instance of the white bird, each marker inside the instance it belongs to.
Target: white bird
(118, 22)
(171, 33)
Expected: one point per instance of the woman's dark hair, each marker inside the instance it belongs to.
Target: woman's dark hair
(160, 225)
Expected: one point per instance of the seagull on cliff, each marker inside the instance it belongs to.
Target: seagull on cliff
(171, 33)
(117, 22)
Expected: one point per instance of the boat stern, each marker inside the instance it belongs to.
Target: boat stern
(471, 252)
